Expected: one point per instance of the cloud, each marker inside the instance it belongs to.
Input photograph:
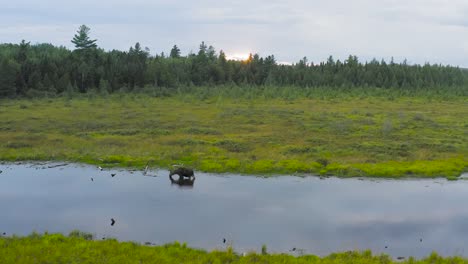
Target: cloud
(422, 31)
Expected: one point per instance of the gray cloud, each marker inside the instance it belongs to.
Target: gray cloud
(422, 31)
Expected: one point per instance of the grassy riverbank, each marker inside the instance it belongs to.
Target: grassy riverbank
(381, 136)
(80, 248)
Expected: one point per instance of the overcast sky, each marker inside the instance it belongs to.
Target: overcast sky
(434, 31)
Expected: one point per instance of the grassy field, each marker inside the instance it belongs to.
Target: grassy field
(345, 136)
(81, 248)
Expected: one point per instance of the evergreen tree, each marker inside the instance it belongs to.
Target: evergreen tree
(8, 71)
(62, 83)
(81, 39)
(103, 87)
(211, 53)
(202, 50)
(21, 58)
(175, 52)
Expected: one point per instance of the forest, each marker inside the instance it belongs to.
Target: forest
(37, 70)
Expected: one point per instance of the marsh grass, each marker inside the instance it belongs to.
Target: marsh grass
(324, 134)
(79, 247)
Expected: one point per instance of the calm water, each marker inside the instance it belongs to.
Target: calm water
(313, 215)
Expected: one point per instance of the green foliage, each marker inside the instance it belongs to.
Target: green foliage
(264, 249)
(80, 235)
(8, 72)
(212, 166)
(44, 70)
(262, 167)
(81, 39)
(233, 146)
(175, 52)
(250, 136)
(80, 248)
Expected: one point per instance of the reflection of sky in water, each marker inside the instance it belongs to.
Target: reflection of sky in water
(320, 216)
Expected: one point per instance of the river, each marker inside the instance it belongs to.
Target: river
(297, 215)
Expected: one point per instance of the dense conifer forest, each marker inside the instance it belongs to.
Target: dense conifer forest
(35, 70)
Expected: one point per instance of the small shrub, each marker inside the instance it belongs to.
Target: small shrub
(294, 166)
(202, 131)
(124, 132)
(187, 142)
(264, 249)
(300, 150)
(17, 145)
(419, 117)
(117, 159)
(232, 165)
(80, 234)
(159, 132)
(233, 146)
(213, 166)
(322, 161)
(262, 166)
(112, 142)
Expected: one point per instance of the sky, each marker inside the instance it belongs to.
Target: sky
(434, 31)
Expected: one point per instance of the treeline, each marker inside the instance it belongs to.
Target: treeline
(34, 70)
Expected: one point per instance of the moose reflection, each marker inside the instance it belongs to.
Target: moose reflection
(186, 177)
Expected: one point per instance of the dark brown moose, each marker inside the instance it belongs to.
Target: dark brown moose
(186, 176)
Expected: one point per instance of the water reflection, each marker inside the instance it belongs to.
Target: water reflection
(401, 218)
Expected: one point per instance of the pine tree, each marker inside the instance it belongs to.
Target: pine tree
(202, 50)
(81, 39)
(175, 52)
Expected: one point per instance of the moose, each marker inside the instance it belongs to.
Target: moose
(186, 176)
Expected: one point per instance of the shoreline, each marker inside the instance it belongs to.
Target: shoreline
(139, 166)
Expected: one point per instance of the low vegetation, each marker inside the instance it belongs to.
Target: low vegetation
(380, 134)
(80, 247)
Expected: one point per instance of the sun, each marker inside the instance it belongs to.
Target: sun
(238, 56)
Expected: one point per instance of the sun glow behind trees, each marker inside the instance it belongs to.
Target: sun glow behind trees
(238, 56)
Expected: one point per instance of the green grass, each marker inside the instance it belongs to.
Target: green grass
(79, 247)
(380, 136)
